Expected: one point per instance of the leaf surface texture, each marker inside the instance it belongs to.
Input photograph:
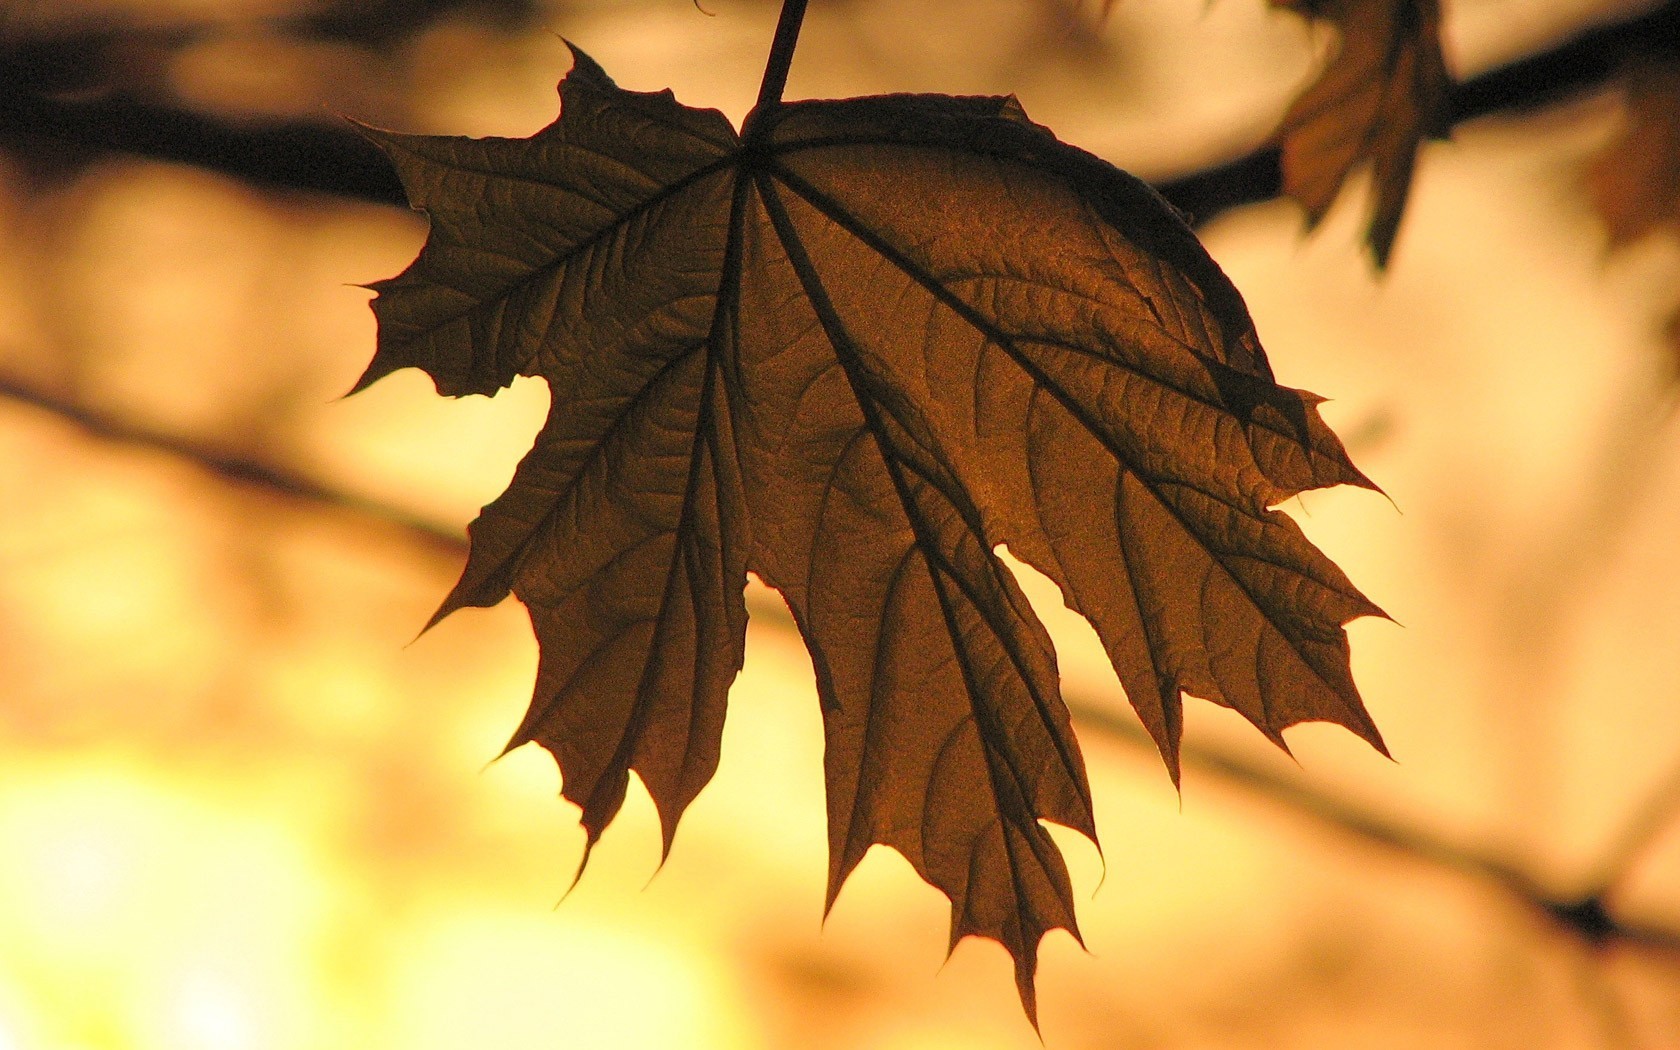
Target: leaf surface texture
(854, 352)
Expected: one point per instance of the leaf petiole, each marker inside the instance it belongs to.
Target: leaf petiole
(781, 53)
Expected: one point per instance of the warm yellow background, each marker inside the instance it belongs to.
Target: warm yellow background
(239, 811)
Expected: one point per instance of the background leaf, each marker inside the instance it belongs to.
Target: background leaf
(1381, 95)
(1634, 182)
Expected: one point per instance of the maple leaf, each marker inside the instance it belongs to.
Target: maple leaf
(1635, 181)
(1382, 93)
(854, 350)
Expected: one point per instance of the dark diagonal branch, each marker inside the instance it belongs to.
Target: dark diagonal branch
(232, 467)
(1591, 919)
(1586, 61)
(1588, 917)
(322, 157)
(308, 156)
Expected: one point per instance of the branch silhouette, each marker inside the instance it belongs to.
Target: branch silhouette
(318, 157)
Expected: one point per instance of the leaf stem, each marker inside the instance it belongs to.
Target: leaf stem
(781, 53)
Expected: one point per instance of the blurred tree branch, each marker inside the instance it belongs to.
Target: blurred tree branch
(321, 157)
(233, 468)
(1590, 918)
(290, 155)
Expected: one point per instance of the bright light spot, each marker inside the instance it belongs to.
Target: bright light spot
(213, 1014)
(18, 1030)
(76, 845)
(177, 912)
(510, 982)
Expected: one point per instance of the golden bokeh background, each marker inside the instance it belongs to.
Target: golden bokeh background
(243, 808)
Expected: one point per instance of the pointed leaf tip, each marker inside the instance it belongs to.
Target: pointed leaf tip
(585, 69)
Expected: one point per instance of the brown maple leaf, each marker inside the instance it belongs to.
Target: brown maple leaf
(854, 350)
(1382, 93)
(1635, 181)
